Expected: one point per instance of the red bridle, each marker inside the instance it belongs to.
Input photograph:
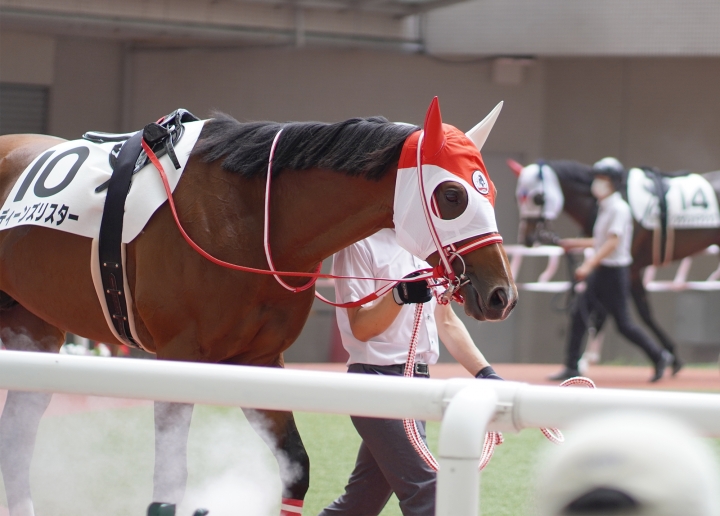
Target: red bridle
(442, 272)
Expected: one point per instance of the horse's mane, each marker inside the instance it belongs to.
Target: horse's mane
(358, 146)
(572, 171)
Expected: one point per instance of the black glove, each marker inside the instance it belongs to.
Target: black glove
(411, 292)
(488, 373)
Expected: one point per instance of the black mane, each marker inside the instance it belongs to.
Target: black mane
(358, 147)
(573, 171)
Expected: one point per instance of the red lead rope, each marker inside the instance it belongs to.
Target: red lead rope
(425, 274)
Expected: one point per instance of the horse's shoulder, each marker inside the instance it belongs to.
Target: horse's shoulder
(17, 151)
(24, 146)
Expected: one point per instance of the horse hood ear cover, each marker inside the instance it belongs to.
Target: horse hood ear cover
(445, 154)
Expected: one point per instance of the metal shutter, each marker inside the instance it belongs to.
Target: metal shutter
(23, 108)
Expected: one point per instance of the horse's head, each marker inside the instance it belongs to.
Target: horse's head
(540, 200)
(444, 198)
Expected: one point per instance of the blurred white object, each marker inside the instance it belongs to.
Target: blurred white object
(101, 350)
(74, 349)
(630, 464)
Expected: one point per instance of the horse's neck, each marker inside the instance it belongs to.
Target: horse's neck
(316, 213)
(580, 205)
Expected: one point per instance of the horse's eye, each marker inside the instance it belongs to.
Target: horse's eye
(451, 196)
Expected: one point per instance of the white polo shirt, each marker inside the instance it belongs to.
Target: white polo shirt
(380, 256)
(614, 218)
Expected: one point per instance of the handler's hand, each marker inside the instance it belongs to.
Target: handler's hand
(412, 292)
(582, 272)
(488, 373)
(566, 243)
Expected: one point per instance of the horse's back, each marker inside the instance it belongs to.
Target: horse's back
(16, 152)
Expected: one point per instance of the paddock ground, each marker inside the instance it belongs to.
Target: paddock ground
(94, 455)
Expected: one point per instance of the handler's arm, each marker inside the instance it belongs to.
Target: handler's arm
(457, 340)
(605, 250)
(576, 243)
(367, 322)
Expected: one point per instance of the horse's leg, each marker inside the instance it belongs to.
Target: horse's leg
(596, 337)
(278, 430)
(172, 425)
(639, 295)
(22, 331)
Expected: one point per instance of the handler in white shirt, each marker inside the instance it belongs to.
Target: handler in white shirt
(607, 273)
(377, 337)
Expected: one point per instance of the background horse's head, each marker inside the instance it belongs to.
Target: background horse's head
(444, 197)
(544, 190)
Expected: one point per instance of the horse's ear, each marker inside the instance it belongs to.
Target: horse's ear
(480, 132)
(434, 138)
(514, 166)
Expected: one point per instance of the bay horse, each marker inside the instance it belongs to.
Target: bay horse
(334, 184)
(574, 180)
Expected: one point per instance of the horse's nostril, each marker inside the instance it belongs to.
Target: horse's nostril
(498, 299)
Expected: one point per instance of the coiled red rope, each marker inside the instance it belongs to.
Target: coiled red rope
(492, 439)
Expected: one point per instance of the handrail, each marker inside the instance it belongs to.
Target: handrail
(545, 282)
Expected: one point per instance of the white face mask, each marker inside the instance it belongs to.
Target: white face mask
(441, 154)
(601, 188)
(411, 227)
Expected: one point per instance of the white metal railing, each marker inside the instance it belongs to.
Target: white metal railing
(545, 282)
(466, 407)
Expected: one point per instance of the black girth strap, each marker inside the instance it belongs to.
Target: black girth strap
(660, 190)
(110, 239)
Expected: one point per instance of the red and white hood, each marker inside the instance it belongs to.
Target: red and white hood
(445, 154)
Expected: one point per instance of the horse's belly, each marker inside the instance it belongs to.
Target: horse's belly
(48, 272)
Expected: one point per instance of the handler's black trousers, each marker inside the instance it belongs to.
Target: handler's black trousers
(386, 463)
(607, 288)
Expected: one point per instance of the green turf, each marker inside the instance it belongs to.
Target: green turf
(102, 463)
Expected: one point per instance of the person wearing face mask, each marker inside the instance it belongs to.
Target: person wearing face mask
(607, 273)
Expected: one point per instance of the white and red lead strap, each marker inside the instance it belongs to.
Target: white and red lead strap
(411, 430)
(313, 276)
(444, 271)
(447, 254)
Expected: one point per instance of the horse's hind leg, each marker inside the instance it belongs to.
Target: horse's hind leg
(278, 430)
(639, 295)
(22, 331)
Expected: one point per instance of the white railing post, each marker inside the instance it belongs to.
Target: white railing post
(462, 434)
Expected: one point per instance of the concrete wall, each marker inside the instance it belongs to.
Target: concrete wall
(87, 91)
(662, 112)
(567, 28)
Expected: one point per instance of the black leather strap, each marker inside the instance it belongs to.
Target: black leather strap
(661, 190)
(110, 239)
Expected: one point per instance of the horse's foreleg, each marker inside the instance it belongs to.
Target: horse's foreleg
(596, 337)
(172, 425)
(20, 330)
(18, 429)
(639, 295)
(279, 431)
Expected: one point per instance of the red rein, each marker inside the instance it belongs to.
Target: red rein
(437, 272)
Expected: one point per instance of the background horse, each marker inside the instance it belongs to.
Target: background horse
(539, 206)
(334, 185)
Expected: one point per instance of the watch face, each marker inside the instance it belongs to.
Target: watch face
(480, 182)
